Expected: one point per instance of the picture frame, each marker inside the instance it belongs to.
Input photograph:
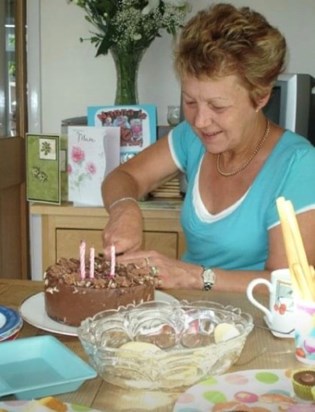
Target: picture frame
(43, 168)
(138, 125)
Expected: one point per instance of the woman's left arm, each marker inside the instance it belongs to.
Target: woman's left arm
(176, 274)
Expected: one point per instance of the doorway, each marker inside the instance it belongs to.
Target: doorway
(14, 244)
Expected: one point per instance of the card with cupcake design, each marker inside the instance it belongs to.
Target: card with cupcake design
(137, 125)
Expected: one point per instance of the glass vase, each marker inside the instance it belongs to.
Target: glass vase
(127, 66)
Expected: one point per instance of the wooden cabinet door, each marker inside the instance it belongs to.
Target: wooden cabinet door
(68, 241)
(14, 245)
(164, 242)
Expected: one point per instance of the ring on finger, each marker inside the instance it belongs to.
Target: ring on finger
(154, 271)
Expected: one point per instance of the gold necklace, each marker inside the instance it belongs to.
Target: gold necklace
(244, 165)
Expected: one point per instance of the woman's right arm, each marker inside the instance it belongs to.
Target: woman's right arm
(129, 182)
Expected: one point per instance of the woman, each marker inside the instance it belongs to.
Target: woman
(237, 162)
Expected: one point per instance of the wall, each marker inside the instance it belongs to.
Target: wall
(71, 78)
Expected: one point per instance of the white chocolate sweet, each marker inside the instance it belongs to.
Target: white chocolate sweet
(224, 331)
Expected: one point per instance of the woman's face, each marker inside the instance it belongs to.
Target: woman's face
(220, 112)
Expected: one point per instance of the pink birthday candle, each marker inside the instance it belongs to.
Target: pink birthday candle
(92, 257)
(82, 259)
(112, 260)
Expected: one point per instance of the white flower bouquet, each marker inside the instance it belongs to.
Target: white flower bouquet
(131, 24)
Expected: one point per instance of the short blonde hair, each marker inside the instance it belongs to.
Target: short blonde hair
(224, 40)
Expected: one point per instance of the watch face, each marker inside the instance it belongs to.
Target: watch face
(208, 279)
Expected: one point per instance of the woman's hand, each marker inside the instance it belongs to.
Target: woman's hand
(124, 229)
(175, 274)
(171, 273)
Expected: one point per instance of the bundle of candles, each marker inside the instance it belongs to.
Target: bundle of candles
(92, 261)
(302, 274)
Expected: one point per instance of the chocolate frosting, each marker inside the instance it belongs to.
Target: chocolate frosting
(69, 299)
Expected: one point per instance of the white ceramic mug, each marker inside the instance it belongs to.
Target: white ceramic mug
(280, 315)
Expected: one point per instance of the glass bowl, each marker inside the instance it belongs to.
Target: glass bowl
(164, 346)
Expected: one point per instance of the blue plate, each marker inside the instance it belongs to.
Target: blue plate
(40, 366)
(10, 322)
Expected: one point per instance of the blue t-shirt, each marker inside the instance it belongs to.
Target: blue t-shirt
(237, 238)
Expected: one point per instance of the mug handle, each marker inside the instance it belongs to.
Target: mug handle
(250, 296)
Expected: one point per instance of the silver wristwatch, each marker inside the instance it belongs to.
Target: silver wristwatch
(208, 277)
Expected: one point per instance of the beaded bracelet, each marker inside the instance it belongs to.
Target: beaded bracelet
(122, 200)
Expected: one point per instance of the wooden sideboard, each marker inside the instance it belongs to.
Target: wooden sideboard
(64, 226)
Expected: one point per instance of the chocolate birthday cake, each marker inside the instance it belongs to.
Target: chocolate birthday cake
(69, 298)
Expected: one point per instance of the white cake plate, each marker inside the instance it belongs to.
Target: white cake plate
(33, 312)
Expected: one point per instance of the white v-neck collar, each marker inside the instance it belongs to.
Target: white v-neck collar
(201, 211)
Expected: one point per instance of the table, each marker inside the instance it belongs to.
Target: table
(262, 350)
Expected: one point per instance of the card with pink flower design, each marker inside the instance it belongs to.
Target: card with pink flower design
(92, 153)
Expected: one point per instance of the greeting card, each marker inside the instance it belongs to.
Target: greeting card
(92, 153)
(43, 168)
(137, 125)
